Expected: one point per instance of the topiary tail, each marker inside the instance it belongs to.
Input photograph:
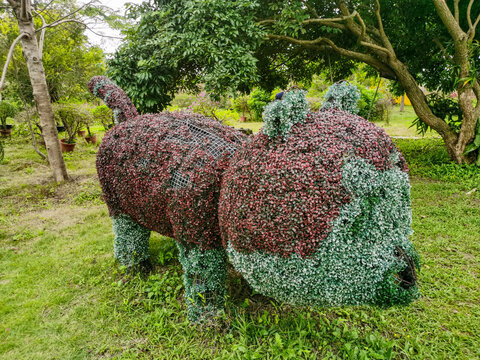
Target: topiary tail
(114, 97)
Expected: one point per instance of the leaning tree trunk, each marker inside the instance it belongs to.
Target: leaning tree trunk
(42, 98)
(419, 104)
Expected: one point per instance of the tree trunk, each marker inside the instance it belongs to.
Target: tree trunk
(419, 104)
(402, 103)
(42, 98)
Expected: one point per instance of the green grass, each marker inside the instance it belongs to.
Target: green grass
(64, 297)
(399, 123)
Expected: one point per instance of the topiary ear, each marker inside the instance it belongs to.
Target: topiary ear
(280, 115)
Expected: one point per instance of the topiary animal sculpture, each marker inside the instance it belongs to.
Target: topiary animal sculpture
(314, 210)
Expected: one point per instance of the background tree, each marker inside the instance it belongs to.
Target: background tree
(69, 60)
(244, 43)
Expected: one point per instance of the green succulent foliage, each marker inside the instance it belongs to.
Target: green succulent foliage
(131, 245)
(357, 262)
(205, 273)
(342, 96)
(280, 115)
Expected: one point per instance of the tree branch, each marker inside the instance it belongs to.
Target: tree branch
(76, 11)
(384, 70)
(316, 20)
(383, 35)
(42, 35)
(448, 20)
(14, 4)
(7, 62)
(472, 28)
(457, 12)
(56, 23)
(469, 15)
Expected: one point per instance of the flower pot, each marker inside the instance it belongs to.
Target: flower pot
(6, 130)
(91, 139)
(60, 129)
(81, 133)
(67, 147)
(243, 119)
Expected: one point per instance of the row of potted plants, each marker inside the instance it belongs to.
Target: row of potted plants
(73, 120)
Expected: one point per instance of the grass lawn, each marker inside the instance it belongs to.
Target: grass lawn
(62, 295)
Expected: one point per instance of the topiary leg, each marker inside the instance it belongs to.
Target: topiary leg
(204, 277)
(131, 241)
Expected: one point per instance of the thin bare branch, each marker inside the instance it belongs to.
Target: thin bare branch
(457, 12)
(47, 6)
(469, 14)
(383, 35)
(362, 24)
(326, 23)
(56, 23)
(7, 62)
(471, 32)
(42, 35)
(74, 12)
(102, 35)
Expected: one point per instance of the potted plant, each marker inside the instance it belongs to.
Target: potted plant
(90, 137)
(105, 116)
(240, 104)
(7, 111)
(71, 119)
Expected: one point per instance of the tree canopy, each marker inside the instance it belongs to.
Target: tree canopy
(238, 44)
(68, 58)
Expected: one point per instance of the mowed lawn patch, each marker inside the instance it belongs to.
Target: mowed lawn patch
(63, 296)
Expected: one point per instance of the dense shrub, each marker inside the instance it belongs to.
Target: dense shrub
(258, 99)
(73, 117)
(240, 104)
(7, 110)
(375, 108)
(182, 100)
(104, 115)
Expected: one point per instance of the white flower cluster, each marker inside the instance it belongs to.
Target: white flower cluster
(131, 241)
(356, 264)
(279, 116)
(342, 96)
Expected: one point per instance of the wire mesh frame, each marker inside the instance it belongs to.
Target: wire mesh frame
(216, 147)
